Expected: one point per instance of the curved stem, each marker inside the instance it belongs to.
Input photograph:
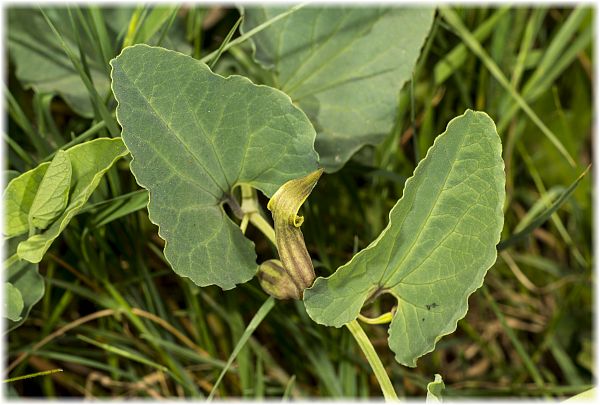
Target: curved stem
(381, 319)
(262, 225)
(249, 207)
(369, 351)
(251, 211)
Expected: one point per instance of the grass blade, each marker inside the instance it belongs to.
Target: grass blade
(253, 32)
(127, 354)
(455, 22)
(96, 99)
(232, 31)
(529, 365)
(93, 130)
(168, 26)
(527, 42)
(18, 115)
(554, 53)
(455, 58)
(39, 374)
(99, 25)
(544, 216)
(288, 388)
(263, 311)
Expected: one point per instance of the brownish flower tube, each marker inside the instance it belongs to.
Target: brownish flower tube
(296, 261)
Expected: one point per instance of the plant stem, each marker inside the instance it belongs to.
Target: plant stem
(251, 211)
(369, 351)
(249, 207)
(262, 225)
(381, 319)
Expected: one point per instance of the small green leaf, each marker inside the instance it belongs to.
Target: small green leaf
(18, 198)
(437, 247)
(434, 390)
(13, 302)
(25, 278)
(194, 137)
(53, 192)
(89, 161)
(344, 66)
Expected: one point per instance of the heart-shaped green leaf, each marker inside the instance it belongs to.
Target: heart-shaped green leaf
(437, 247)
(194, 136)
(88, 162)
(343, 66)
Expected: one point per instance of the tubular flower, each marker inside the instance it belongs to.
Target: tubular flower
(295, 267)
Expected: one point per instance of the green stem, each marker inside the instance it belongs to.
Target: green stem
(262, 225)
(251, 211)
(249, 206)
(381, 319)
(369, 351)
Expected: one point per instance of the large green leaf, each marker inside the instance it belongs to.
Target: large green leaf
(194, 136)
(88, 163)
(343, 66)
(437, 247)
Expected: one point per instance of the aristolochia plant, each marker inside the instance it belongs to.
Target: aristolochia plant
(196, 136)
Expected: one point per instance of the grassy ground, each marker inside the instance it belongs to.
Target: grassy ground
(121, 323)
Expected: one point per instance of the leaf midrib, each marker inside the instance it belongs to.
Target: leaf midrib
(173, 132)
(428, 217)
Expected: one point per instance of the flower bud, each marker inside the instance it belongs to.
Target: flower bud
(276, 281)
